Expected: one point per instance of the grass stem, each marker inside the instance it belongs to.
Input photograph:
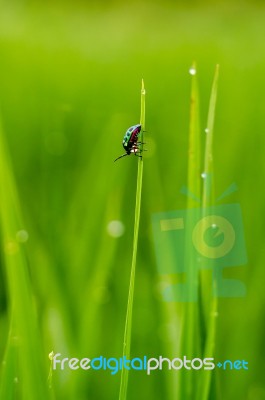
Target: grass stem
(128, 322)
(209, 302)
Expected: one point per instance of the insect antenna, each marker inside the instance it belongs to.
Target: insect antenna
(121, 156)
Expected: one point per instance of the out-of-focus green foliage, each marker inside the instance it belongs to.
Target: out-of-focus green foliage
(70, 75)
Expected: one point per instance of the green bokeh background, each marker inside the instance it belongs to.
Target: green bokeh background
(70, 76)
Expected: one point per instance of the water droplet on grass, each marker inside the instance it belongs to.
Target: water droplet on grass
(214, 314)
(22, 236)
(115, 228)
(203, 175)
(192, 71)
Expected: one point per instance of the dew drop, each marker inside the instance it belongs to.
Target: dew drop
(214, 314)
(115, 228)
(203, 175)
(206, 130)
(192, 71)
(22, 236)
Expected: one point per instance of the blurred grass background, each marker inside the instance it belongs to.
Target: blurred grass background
(70, 75)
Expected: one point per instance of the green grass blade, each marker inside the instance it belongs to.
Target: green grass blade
(208, 189)
(190, 334)
(208, 302)
(194, 158)
(128, 322)
(208, 157)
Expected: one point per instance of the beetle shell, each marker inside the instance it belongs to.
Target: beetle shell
(130, 138)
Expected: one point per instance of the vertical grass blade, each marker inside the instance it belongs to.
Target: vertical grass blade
(208, 302)
(194, 157)
(208, 189)
(128, 322)
(190, 334)
(208, 157)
